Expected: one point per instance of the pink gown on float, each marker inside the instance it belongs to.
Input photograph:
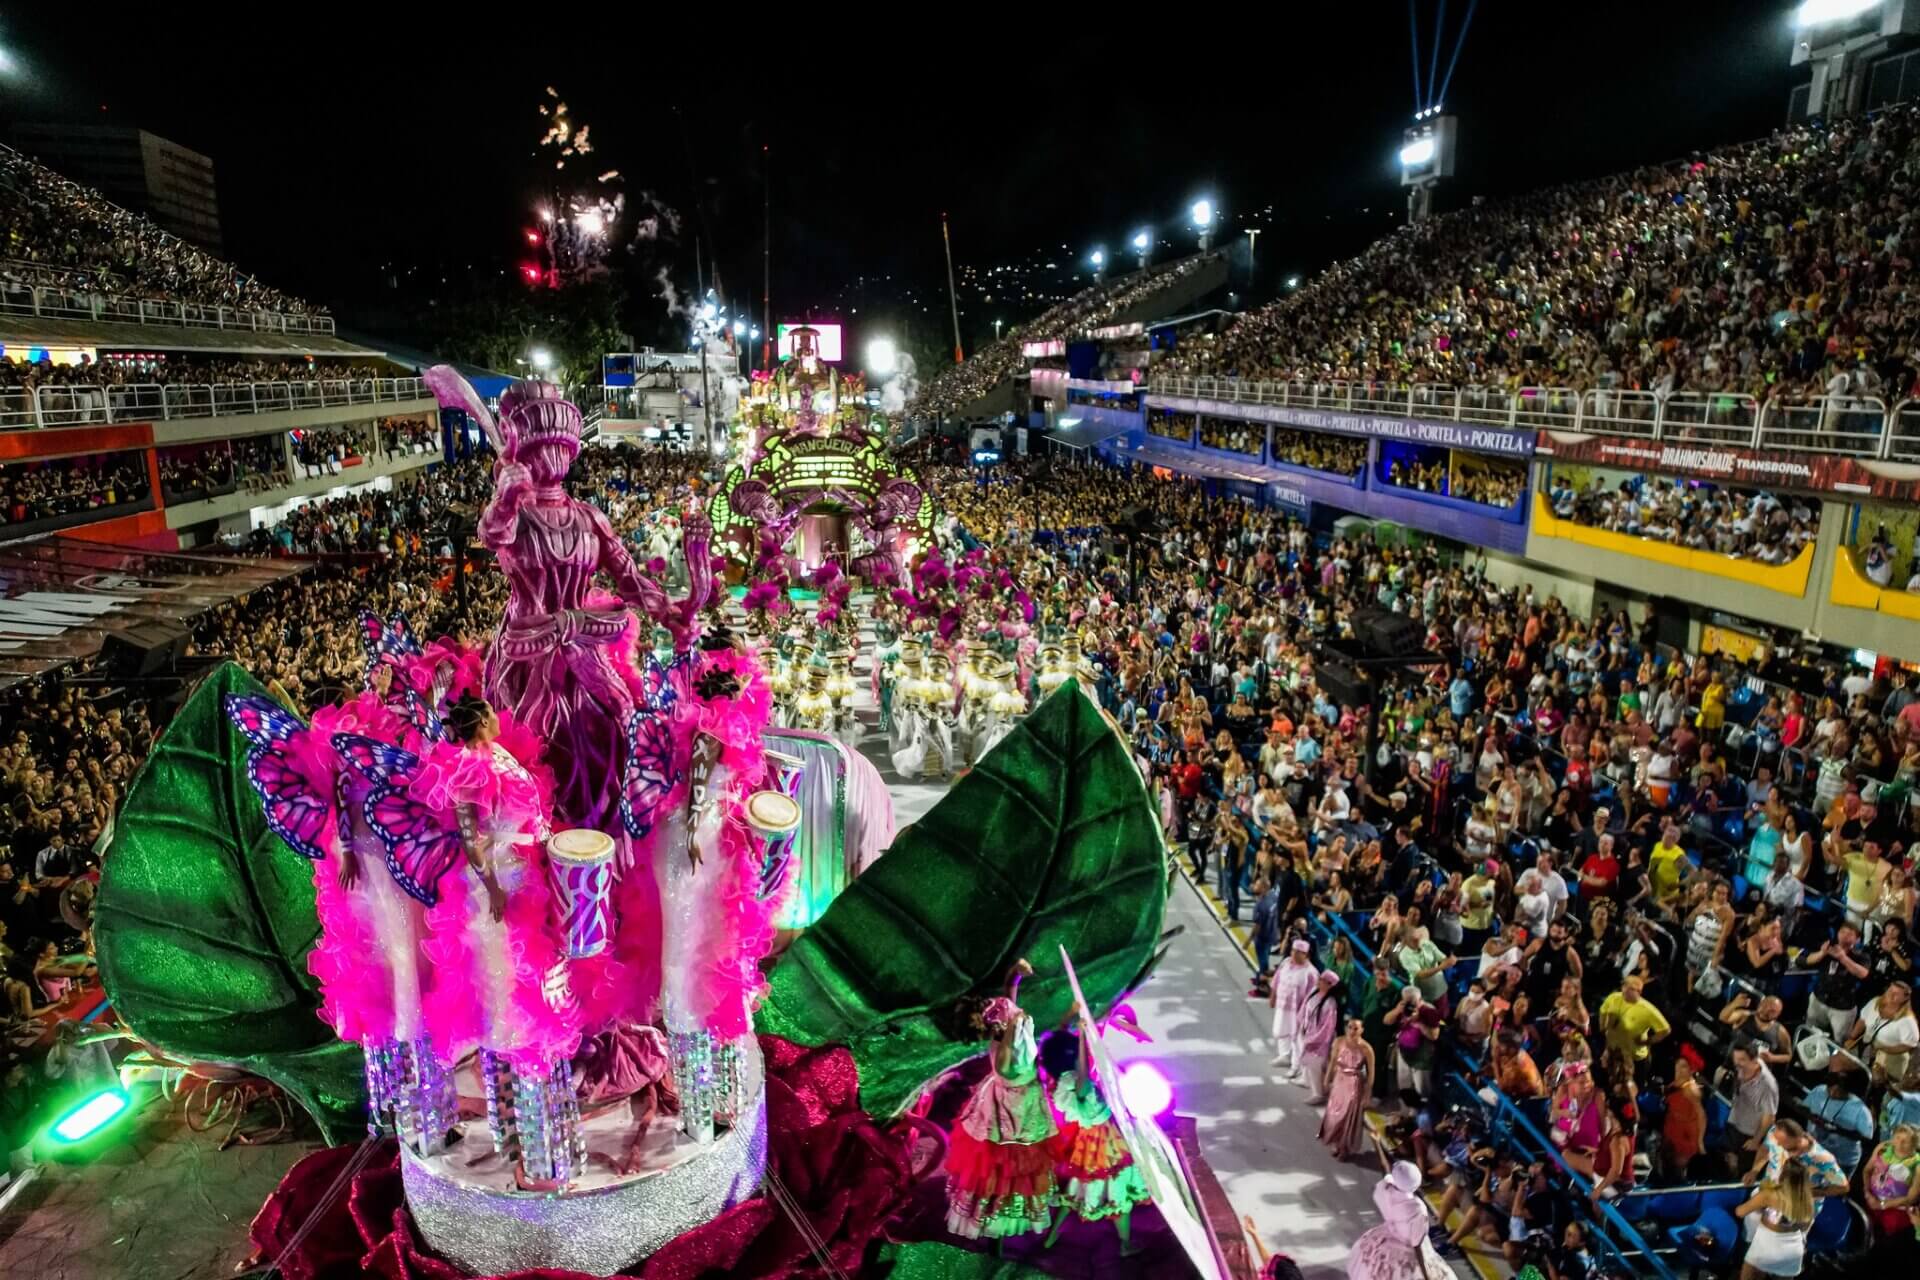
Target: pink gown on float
(1397, 1249)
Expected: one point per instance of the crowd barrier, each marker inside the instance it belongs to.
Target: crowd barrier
(67, 406)
(1857, 426)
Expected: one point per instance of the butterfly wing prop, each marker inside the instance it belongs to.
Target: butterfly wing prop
(294, 809)
(422, 717)
(649, 774)
(380, 763)
(420, 847)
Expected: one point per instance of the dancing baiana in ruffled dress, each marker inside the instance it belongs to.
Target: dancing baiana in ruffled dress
(1000, 1158)
(1098, 1177)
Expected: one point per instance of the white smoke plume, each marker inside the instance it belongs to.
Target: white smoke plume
(670, 295)
(655, 218)
(903, 387)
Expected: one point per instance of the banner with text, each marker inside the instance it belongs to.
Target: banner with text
(1508, 442)
(1731, 464)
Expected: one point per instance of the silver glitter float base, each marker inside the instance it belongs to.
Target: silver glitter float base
(605, 1223)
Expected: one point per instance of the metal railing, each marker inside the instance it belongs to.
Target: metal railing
(67, 406)
(62, 302)
(1856, 426)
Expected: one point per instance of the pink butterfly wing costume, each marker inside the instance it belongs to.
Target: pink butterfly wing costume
(458, 824)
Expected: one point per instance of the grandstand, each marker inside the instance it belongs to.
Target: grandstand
(152, 394)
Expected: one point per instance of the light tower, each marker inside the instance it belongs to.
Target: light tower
(1142, 245)
(1843, 40)
(1203, 221)
(1426, 156)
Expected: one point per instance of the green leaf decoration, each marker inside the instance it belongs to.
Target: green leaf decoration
(1050, 841)
(204, 919)
(931, 1260)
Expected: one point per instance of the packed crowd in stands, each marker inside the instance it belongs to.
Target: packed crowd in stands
(58, 233)
(1494, 482)
(1616, 882)
(958, 386)
(1240, 437)
(1169, 425)
(1342, 455)
(1756, 524)
(400, 436)
(44, 490)
(1877, 560)
(1773, 268)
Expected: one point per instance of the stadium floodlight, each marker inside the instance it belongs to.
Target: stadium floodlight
(1141, 241)
(1293, 282)
(754, 332)
(1099, 257)
(882, 357)
(542, 359)
(739, 327)
(1816, 13)
(1416, 153)
(1203, 213)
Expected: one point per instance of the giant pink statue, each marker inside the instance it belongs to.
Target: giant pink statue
(553, 660)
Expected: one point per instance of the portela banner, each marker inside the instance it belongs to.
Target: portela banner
(1730, 464)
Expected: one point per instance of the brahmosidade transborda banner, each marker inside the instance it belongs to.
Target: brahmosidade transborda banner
(1731, 464)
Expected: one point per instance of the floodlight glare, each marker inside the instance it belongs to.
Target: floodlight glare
(1814, 13)
(1416, 153)
(1202, 213)
(1140, 241)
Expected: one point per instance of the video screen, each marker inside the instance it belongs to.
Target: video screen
(827, 344)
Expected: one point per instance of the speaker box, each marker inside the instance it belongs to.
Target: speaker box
(1346, 685)
(145, 648)
(1387, 634)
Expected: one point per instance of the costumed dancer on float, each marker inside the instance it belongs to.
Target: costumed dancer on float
(1293, 983)
(1099, 1179)
(370, 959)
(465, 799)
(1398, 1249)
(561, 663)
(1319, 1020)
(1000, 1158)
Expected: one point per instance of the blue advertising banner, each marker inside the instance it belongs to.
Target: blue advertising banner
(1296, 489)
(1504, 441)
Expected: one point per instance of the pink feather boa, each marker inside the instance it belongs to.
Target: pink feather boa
(356, 990)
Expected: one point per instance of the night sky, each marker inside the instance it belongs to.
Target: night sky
(347, 140)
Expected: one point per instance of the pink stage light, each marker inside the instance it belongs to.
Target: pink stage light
(1145, 1090)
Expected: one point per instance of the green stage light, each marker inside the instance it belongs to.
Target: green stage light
(90, 1116)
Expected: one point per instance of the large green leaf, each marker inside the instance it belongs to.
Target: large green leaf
(204, 919)
(1050, 841)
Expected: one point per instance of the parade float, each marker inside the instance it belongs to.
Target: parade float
(503, 923)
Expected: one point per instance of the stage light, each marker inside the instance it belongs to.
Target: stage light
(1416, 153)
(1203, 213)
(1814, 13)
(882, 356)
(1141, 241)
(90, 1116)
(1099, 257)
(1145, 1090)
(542, 359)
